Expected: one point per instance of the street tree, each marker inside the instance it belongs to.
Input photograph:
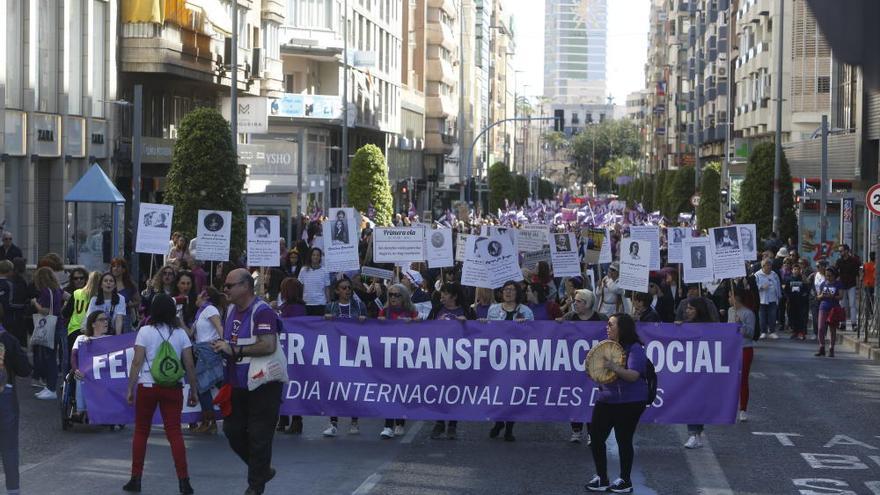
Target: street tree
(501, 185)
(368, 184)
(623, 166)
(520, 189)
(709, 211)
(756, 204)
(205, 175)
(678, 191)
(598, 143)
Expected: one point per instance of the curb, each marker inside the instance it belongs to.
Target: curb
(868, 350)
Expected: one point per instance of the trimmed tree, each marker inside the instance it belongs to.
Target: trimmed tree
(520, 189)
(709, 211)
(546, 189)
(368, 184)
(756, 203)
(660, 183)
(648, 193)
(680, 189)
(501, 186)
(205, 175)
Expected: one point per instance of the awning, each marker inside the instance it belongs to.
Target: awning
(94, 187)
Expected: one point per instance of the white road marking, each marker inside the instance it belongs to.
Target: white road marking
(757, 374)
(411, 434)
(368, 484)
(709, 478)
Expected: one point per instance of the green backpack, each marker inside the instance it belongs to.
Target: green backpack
(166, 368)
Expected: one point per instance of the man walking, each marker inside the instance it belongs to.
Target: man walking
(848, 266)
(251, 330)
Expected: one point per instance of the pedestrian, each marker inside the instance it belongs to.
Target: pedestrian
(610, 294)
(797, 292)
(814, 281)
(185, 295)
(153, 384)
(13, 363)
(642, 310)
(510, 308)
(483, 299)
(848, 266)
(400, 307)
(450, 308)
(769, 294)
(207, 327)
(127, 289)
(695, 292)
(346, 307)
(96, 326)
(869, 272)
(745, 319)
(316, 282)
(583, 308)
(48, 302)
(162, 283)
(8, 250)
(697, 312)
(619, 405)
(8, 304)
(829, 295)
(108, 300)
(250, 330)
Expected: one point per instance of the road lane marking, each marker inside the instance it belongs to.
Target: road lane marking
(368, 484)
(411, 434)
(709, 478)
(757, 374)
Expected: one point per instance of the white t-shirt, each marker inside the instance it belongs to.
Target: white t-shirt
(107, 307)
(150, 339)
(82, 339)
(314, 282)
(205, 330)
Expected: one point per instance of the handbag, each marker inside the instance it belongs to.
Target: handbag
(44, 326)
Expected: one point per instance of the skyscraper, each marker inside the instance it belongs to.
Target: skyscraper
(575, 43)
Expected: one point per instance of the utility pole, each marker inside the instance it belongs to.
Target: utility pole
(136, 150)
(725, 165)
(777, 162)
(343, 164)
(464, 180)
(698, 93)
(233, 88)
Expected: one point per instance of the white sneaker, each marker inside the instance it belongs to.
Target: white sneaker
(587, 437)
(774, 336)
(354, 429)
(46, 394)
(763, 336)
(576, 437)
(38, 384)
(812, 336)
(399, 431)
(387, 433)
(330, 431)
(693, 442)
(743, 417)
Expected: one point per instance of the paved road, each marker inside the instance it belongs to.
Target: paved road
(827, 409)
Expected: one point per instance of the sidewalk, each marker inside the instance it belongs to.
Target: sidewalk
(869, 350)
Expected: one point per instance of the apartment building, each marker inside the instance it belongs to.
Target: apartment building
(57, 91)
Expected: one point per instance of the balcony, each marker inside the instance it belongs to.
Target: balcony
(440, 70)
(438, 107)
(438, 33)
(168, 48)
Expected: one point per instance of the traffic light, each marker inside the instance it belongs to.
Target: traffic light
(559, 120)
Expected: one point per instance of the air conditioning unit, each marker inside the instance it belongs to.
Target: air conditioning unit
(722, 71)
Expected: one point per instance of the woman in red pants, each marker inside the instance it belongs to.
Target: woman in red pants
(152, 393)
(745, 318)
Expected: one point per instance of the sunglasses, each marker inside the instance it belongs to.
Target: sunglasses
(77, 278)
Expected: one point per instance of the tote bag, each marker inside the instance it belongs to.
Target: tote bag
(44, 326)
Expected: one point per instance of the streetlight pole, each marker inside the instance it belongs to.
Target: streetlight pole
(137, 149)
(233, 87)
(823, 189)
(344, 162)
(725, 165)
(464, 181)
(777, 162)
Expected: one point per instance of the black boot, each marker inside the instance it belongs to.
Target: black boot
(508, 432)
(185, 487)
(439, 430)
(296, 425)
(493, 433)
(133, 485)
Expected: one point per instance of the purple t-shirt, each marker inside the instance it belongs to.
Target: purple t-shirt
(57, 300)
(620, 391)
(830, 292)
(449, 314)
(482, 311)
(292, 310)
(238, 329)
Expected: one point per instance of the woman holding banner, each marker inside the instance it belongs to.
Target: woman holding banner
(450, 308)
(619, 405)
(511, 309)
(696, 311)
(483, 300)
(400, 307)
(583, 309)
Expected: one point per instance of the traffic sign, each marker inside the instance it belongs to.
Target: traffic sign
(695, 200)
(872, 199)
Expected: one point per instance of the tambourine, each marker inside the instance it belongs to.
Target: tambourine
(595, 362)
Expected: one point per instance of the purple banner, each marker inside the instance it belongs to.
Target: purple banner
(532, 371)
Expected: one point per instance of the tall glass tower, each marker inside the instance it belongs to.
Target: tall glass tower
(575, 45)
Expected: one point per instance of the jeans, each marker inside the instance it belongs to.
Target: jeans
(851, 303)
(170, 403)
(623, 419)
(251, 427)
(46, 366)
(767, 317)
(9, 437)
(80, 386)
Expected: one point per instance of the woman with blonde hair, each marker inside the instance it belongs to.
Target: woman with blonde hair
(49, 302)
(399, 307)
(483, 299)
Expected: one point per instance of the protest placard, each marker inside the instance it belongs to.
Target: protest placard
(747, 235)
(564, 255)
(726, 254)
(398, 244)
(341, 240)
(263, 236)
(635, 262)
(154, 228)
(650, 233)
(698, 266)
(439, 248)
(214, 231)
(593, 239)
(489, 262)
(532, 237)
(674, 238)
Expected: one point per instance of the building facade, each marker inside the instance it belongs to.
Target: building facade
(575, 46)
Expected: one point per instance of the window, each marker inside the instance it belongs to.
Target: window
(73, 71)
(47, 54)
(98, 64)
(271, 46)
(14, 48)
(823, 84)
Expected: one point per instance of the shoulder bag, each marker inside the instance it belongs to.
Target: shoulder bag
(44, 325)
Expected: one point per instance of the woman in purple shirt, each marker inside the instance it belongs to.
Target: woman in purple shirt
(829, 294)
(291, 294)
(49, 302)
(619, 406)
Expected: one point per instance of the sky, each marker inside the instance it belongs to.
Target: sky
(627, 45)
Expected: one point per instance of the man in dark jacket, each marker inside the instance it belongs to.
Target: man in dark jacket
(13, 363)
(8, 250)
